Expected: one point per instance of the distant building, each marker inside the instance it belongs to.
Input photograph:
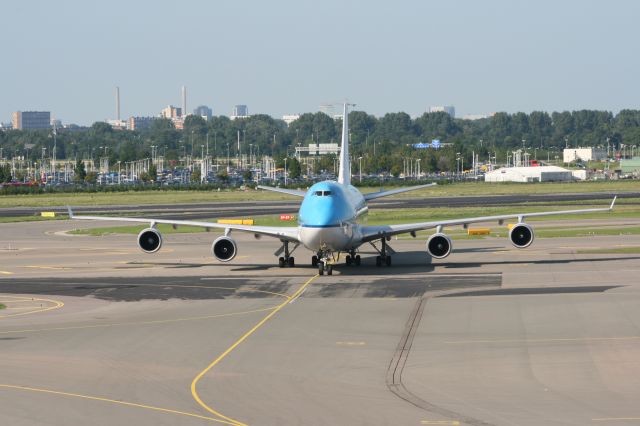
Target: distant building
(5, 126)
(117, 124)
(240, 111)
(318, 149)
(204, 112)
(171, 112)
(570, 155)
(25, 120)
(290, 118)
(140, 123)
(630, 166)
(477, 116)
(529, 174)
(445, 108)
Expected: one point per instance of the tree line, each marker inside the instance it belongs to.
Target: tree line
(383, 142)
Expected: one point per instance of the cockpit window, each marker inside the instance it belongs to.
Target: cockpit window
(327, 193)
(322, 193)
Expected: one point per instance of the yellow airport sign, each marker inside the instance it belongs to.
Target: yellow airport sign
(478, 231)
(236, 221)
(48, 214)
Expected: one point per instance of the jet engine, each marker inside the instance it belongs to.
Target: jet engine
(521, 235)
(224, 249)
(150, 240)
(439, 245)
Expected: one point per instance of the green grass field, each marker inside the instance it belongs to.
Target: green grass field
(618, 250)
(175, 197)
(2, 306)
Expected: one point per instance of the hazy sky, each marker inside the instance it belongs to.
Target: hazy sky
(282, 57)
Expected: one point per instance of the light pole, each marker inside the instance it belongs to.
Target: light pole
(418, 164)
(207, 143)
(285, 171)
(360, 160)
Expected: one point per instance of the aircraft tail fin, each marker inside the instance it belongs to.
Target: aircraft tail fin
(344, 173)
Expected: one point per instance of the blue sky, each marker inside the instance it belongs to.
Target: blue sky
(284, 57)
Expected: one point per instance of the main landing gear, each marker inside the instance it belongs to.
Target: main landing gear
(352, 258)
(384, 257)
(287, 259)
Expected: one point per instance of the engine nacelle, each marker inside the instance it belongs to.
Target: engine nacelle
(224, 249)
(439, 246)
(521, 235)
(150, 240)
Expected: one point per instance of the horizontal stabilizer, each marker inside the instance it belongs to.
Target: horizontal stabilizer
(374, 195)
(283, 190)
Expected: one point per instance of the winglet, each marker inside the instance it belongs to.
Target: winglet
(613, 202)
(70, 212)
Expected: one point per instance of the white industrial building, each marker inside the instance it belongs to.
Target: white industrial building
(529, 174)
(570, 155)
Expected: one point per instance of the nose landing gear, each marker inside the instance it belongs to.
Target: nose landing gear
(323, 261)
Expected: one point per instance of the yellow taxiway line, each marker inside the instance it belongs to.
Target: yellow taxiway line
(114, 401)
(194, 383)
(119, 324)
(56, 304)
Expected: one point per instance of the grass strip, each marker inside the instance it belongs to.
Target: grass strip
(179, 197)
(618, 250)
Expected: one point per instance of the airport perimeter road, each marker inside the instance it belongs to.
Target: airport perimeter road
(97, 333)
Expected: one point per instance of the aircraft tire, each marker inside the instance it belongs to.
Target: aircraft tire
(357, 260)
(329, 269)
(348, 260)
(378, 260)
(320, 269)
(314, 261)
(388, 261)
(281, 262)
(292, 262)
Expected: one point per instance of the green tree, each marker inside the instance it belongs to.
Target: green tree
(5, 173)
(195, 175)
(153, 172)
(91, 177)
(80, 173)
(293, 168)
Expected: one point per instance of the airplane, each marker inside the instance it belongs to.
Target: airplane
(332, 220)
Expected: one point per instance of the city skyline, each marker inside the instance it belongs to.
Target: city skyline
(292, 57)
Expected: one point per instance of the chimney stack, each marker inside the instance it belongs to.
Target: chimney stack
(184, 101)
(117, 103)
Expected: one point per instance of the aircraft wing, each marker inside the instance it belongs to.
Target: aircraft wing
(284, 233)
(370, 233)
(380, 194)
(283, 190)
